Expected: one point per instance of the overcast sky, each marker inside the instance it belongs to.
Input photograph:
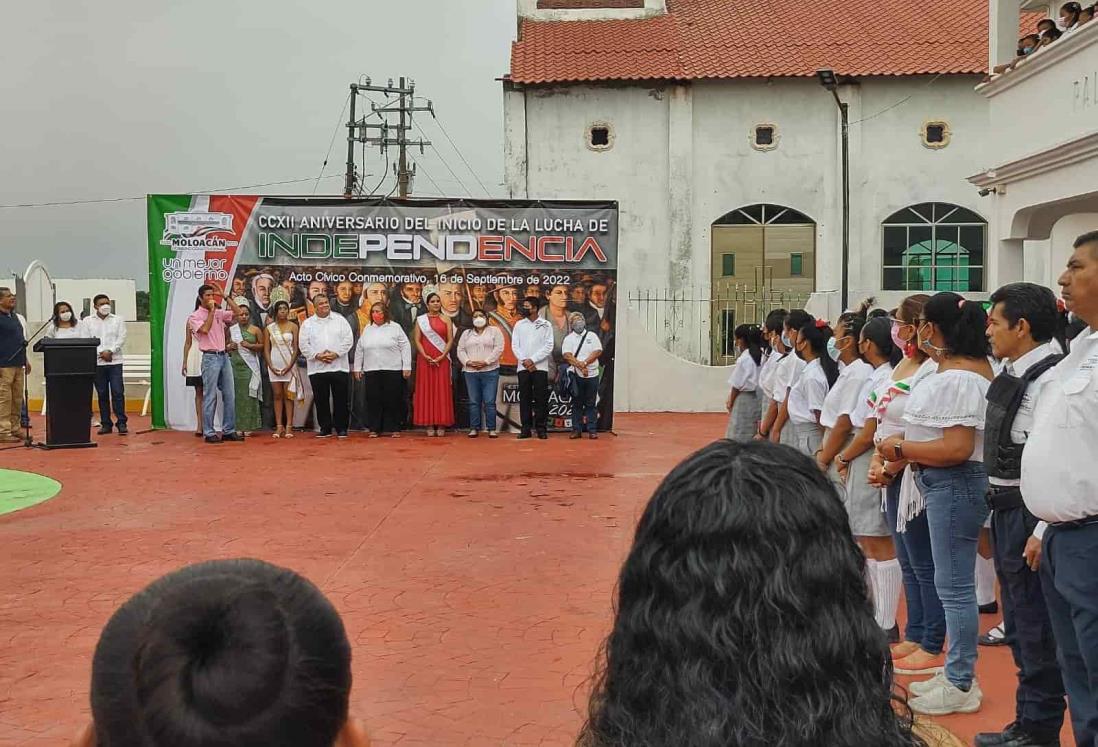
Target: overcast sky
(124, 98)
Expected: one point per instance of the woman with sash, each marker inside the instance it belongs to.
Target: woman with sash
(282, 351)
(433, 403)
(247, 375)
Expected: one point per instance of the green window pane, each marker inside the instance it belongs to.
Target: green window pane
(728, 265)
(796, 264)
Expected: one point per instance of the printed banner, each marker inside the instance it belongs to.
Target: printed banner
(474, 254)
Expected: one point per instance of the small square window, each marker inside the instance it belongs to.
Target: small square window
(728, 265)
(796, 265)
(936, 134)
(600, 137)
(764, 135)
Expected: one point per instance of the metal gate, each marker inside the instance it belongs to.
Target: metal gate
(698, 324)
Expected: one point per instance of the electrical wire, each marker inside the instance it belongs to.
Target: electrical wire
(468, 192)
(898, 103)
(331, 144)
(62, 203)
(426, 173)
(384, 173)
(460, 154)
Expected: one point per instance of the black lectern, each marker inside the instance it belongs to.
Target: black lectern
(70, 379)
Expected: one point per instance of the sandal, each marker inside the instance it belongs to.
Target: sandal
(288, 434)
(276, 434)
(372, 435)
(994, 637)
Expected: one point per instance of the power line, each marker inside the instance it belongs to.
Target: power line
(331, 144)
(468, 191)
(460, 154)
(426, 173)
(142, 197)
(904, 100)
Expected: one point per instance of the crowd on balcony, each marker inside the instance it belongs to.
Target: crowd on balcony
(1073, 16)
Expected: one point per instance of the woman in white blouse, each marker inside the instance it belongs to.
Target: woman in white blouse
(768, 407)
(743, 401)
(806, 397)
(943, 441)
(843, 396)
(479, 350)
(64, 322)
(383, 358)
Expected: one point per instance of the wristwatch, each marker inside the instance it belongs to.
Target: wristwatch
(898, 451)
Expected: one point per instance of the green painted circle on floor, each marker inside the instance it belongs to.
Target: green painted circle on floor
(19, 490)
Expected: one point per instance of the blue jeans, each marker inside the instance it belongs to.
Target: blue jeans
(956, 507)
(108, 385)
(482, 386)
(217, 373)
(926, 624)
(584, 404)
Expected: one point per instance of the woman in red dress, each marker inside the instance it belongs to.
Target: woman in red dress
(433, 403)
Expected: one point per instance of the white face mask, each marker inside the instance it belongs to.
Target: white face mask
(65, 316)
(479, 322)
(104, 309)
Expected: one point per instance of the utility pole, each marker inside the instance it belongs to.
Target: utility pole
(388, 134)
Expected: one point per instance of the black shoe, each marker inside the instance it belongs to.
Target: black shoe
(523, 436)
(213, 439)
(1012, 736)
(543, 435)
(991, 608)
(233, 437)
(105, 430)
(123, 430)
(341, 434)
(994, 637)
(324, 434)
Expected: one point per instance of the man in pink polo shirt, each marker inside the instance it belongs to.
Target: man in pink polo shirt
(208, 323)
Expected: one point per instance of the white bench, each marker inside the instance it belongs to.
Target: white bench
(136, 370)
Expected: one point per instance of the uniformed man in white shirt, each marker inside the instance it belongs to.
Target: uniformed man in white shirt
(111, 331)
(1021, 327)
(1060, 486)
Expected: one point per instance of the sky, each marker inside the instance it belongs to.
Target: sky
(122, 98)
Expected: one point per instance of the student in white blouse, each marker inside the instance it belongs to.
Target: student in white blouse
(806, 397)
(479, 350)
(383, 358)
(789, 371)
(943, 441)
(64, 322)
(772, 333)
(743, 401)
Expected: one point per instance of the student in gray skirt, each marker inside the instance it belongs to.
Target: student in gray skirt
(743, 399)
(806, 397)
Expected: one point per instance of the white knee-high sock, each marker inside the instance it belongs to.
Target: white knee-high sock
(889, 582)
(985, 580)
(871, 579)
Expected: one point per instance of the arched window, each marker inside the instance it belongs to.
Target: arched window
(934, 246)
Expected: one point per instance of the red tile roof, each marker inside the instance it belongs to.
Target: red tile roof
(700, 39)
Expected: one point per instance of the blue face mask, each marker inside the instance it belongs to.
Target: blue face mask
(832, 349)
(786, 341)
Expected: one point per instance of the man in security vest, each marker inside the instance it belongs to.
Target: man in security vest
(1021, 327)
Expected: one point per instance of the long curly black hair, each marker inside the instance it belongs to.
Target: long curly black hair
(743, 617)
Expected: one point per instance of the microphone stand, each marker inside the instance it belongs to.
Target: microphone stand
(28, 442)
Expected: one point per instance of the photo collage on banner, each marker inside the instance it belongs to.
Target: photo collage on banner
(485, 255)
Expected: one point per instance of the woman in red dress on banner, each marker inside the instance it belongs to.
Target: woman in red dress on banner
(433, 403)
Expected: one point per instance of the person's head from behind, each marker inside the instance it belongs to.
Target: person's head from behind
(952, 326)
(743, 617)
(1022, 316)
(227, 653)
(63, 315)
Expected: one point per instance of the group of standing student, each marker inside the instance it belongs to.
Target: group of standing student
(960, 412)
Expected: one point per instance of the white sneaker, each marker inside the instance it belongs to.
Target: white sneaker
(924, 686)
(946, 698)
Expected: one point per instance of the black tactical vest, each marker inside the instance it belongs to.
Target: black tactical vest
(1003, 457)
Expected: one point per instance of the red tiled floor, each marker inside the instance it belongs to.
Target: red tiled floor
(474, 577)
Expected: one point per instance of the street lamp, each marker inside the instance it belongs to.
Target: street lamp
(830, 82)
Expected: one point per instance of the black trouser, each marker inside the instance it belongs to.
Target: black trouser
(584, 405)
(384, 401)
(1039, 709)
(109, 387)
(1069, 574)
(331, 384)
(533, 400)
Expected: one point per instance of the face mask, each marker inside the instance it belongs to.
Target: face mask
(480, 322)
(578, 326)
(896, 339)
(1026, 50)
(378, 317)
(104, 309)
(785, 341)
(65, 316)
(832, 349)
